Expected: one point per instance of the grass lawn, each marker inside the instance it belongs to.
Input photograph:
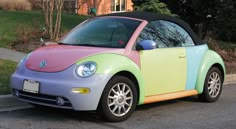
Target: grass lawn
(6, 69)
(12, 22)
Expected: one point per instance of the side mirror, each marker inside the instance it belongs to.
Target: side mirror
(146, 45)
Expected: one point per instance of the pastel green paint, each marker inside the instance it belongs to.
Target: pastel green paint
(164, 70)
(114, 63)
(210, 58)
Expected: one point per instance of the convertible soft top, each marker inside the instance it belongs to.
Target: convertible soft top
(148, 16)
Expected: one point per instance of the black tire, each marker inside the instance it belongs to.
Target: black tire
(125, 103)
(212, 86)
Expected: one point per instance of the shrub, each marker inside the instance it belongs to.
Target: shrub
(12, 5)
(28, 37)
(153, 6)
(228, 54)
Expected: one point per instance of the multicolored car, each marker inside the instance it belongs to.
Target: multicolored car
(113, 63)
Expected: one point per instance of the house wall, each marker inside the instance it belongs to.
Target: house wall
(103, 6)
(129, 6)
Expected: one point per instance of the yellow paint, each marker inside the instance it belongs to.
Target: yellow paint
(169, 96)
(80, 90)
(164, 70)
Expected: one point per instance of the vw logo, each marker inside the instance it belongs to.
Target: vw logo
(42, 64)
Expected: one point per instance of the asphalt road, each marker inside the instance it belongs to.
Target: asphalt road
(187, 113)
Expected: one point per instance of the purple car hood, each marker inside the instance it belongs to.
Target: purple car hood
(56, 58)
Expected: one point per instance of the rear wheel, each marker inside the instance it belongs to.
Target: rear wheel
(212, 86)
(118, 100)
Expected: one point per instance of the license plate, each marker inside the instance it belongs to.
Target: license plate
(31, 86)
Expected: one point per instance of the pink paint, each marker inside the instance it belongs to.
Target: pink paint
(123, 17)
(60, 57)
(129, 50)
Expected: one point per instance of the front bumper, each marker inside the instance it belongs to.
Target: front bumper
(54, 85)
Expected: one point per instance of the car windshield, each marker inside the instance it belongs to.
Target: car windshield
(102, 32)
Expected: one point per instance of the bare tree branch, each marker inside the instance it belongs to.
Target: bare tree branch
(49, 7)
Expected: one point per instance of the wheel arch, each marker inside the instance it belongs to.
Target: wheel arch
(210, 59)
(217, 65)
(132, 77)
(110, 64)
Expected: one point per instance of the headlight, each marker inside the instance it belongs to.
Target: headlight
(86, 69)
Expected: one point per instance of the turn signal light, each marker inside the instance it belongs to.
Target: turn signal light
(80, 90)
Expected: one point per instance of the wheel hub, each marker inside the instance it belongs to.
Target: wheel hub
(213, 86)
(120, 99)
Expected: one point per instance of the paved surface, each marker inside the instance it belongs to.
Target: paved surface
(10, 103)
(11, 55)
(186, 113)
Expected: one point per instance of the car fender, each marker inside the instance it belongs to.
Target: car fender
(209, 59)
(111, 64)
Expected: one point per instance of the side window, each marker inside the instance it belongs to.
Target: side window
(166, 34)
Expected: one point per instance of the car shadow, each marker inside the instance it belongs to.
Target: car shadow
(53, 114)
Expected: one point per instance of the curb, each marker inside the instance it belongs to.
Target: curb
(9, 109)
(10, 103)
(230, 79)
(5, 96)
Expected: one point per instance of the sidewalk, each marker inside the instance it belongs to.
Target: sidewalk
(11, 55)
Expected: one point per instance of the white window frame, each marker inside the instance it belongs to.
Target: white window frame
(113, 1)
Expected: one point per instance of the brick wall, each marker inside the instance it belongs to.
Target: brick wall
(129, 6)
(103, 6)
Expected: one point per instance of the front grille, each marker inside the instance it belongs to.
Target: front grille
(47, 100)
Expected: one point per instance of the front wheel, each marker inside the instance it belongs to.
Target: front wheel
(212, 86)
(118, 100)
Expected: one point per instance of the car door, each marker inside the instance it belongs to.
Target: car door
(164, 69)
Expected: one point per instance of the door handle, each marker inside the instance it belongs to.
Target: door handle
(182, 56)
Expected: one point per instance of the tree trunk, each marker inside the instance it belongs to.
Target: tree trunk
(44, 5)
(59, 5)
(51, 8)
(46, 16)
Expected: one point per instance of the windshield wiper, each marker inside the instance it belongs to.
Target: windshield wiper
(76, 44)
(91, 45)
(60, 43)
